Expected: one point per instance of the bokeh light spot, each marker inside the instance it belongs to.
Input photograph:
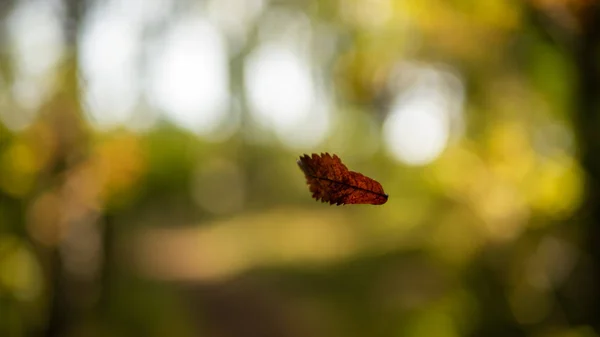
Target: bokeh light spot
(282, 97)
(20, 273)
(109, 62)
(190, 76)
(421, 119)
(37, 41)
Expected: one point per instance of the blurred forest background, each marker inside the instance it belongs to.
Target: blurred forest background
(149, 187)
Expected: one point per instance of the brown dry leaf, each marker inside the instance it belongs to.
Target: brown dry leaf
(331, 181)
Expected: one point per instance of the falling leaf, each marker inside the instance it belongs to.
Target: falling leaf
(331, 181)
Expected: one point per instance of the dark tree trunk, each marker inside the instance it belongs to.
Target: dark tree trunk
(64, 116)
(587, 118)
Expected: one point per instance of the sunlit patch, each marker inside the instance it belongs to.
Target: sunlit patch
(367, 13)
(282, 96)
(190, 79)
(18, 166)
(419, 125)
(502, 207)
(109, 51)
(226, 248)
(20, 273)
(36, 41)
(556, 188)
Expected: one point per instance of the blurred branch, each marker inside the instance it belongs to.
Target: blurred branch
(550, 28)
(65, 117)
(74, 14)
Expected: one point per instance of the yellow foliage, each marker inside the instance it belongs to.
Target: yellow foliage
(18, 166)
(117, 164)
(20, 273)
